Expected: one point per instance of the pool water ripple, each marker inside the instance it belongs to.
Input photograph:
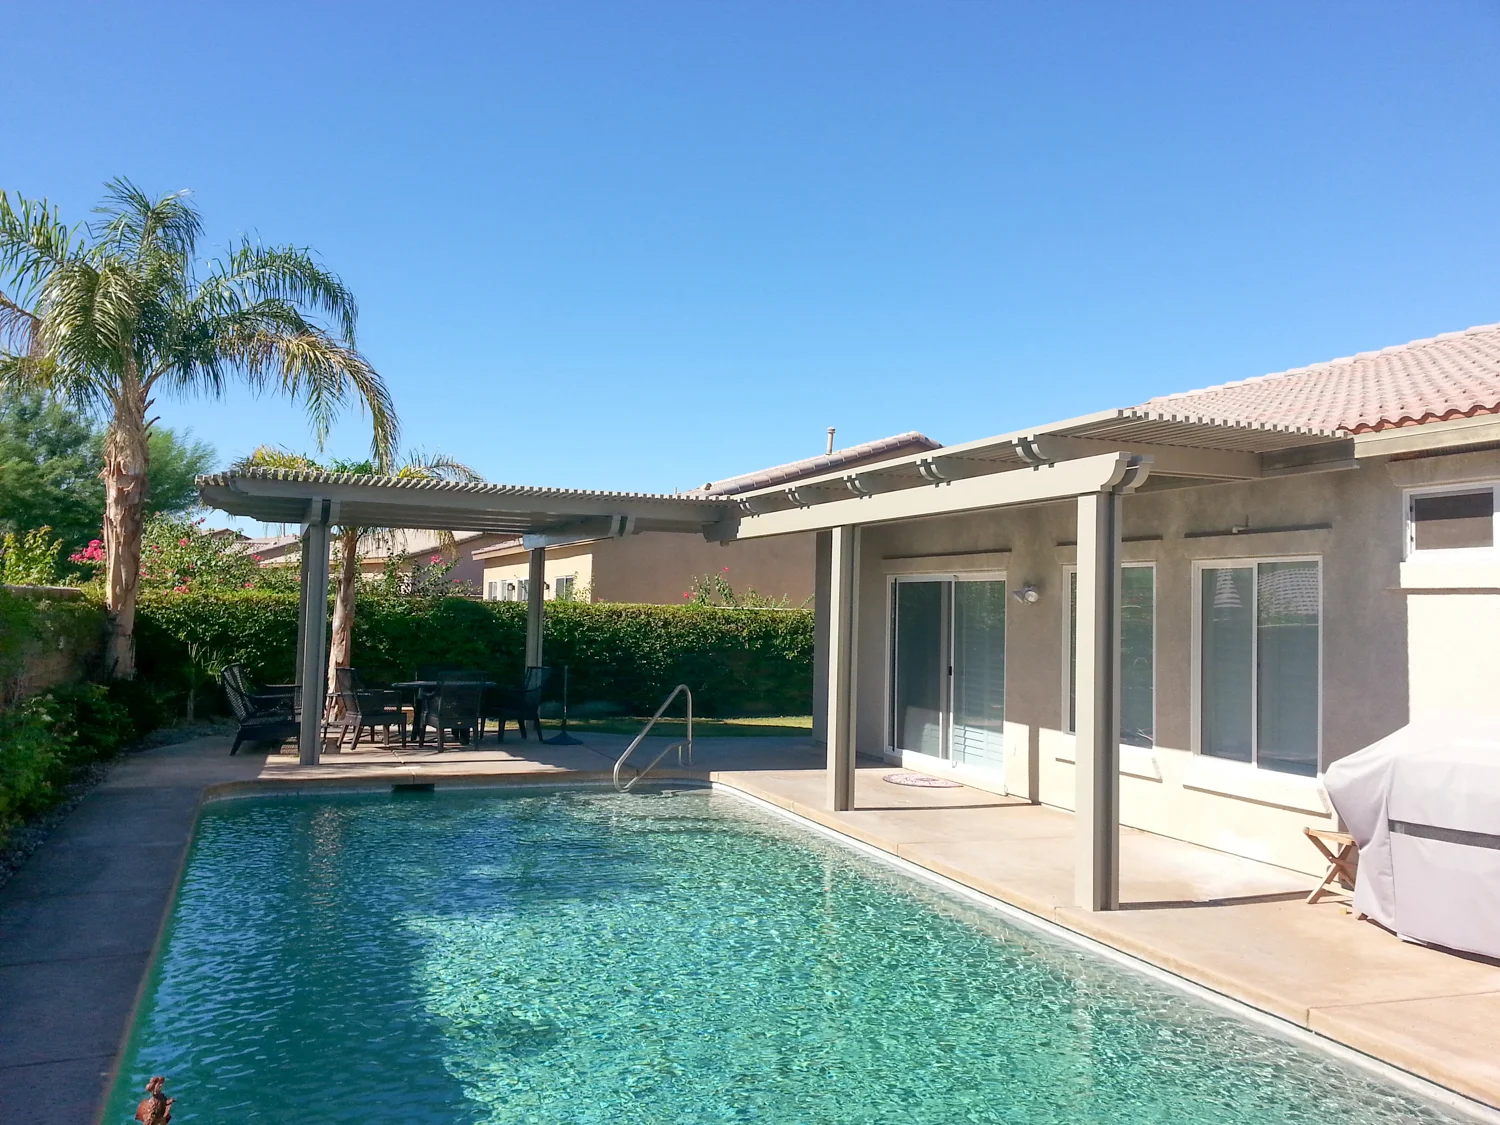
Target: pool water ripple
(572, 956)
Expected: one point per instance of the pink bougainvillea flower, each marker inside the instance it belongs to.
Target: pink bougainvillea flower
(726, 570)
(249, 585)
(435, 558)
(255, 558)
(184, 543)
(180, 589)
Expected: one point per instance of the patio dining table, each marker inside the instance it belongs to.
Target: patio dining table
(423, 690)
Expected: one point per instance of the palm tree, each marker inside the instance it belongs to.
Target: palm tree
(111, 315)
(415, 466)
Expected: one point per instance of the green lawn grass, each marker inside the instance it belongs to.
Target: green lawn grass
(761, 727)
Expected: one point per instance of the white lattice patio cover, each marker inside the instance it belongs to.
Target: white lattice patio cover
(1423, 804)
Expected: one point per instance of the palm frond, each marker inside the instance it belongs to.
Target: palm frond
(282, 273)
(309, 366)
(18, 328)
(437, 466)
(139, 228)
(32, 242)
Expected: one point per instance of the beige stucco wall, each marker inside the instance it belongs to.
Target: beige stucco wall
(657, 568)
(1367, 691)
(576, 561)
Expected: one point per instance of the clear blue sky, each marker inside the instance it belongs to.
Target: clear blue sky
(643, 245)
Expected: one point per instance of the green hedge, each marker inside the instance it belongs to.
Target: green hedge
(737, 661)
(46, 739)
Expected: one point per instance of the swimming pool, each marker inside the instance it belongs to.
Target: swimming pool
(570, 955)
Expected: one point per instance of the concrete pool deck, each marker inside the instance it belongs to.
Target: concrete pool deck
(79, 923)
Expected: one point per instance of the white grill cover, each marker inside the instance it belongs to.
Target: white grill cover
(1423, 804)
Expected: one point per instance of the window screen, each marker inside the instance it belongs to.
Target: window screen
(1451, 520)
(1258, 664)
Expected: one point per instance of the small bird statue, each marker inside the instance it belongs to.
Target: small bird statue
(156, 1109)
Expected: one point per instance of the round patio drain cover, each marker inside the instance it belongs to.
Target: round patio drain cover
(921, 781)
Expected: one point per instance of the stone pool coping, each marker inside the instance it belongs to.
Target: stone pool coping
(81, 922)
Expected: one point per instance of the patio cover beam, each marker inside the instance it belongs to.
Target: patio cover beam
(1062, 480)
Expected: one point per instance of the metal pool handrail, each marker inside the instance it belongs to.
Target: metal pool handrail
(679, 746)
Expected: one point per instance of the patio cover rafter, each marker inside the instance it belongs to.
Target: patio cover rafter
(283, 496)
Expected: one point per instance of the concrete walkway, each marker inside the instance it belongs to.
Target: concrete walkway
(79, 923)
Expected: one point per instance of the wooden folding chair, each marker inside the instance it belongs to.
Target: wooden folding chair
(1342, 864)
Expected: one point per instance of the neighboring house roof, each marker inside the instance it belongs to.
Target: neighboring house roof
(405, 542)
(1455, 375)
(267, 546)
(894, 446)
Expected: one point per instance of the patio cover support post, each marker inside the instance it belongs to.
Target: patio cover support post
(843, 589)
(535, 581)
(1096, 824)
(301, 612)
(313, 670)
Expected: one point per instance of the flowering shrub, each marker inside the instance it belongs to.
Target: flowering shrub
(30, 559)
(424, 580)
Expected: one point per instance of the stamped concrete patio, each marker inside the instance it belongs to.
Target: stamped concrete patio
(80, 922)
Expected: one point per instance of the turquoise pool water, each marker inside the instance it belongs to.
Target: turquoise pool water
(571, 956)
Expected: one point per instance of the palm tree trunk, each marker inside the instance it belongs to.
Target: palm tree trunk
(340, 651)
(125, 459)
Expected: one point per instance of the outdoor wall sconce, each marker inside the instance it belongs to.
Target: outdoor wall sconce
(1028, 595)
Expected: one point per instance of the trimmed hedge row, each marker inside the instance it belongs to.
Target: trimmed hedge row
(737, 661)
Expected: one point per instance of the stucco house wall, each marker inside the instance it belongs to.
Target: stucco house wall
(1375, 669)
(656, 568)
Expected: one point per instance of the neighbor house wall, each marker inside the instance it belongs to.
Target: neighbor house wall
(1169, 789)
(576, 561)
(658, 567)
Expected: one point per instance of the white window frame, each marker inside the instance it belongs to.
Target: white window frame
(492, 590)
(1068, 571)
(891, 750)
(1196, 739)
(1409, 525)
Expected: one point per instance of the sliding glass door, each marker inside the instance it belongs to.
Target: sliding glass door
(948, 668)
(921, 666)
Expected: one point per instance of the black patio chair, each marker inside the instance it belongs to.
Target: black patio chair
(263, 716)
(521, 704)
(452, 706)
(356, 707)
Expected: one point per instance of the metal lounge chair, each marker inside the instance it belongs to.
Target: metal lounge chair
(357, 707)
(264, 716)
(452, 706)
(521, 704)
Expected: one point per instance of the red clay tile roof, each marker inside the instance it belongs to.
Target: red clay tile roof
(1455, 375)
